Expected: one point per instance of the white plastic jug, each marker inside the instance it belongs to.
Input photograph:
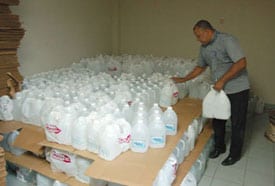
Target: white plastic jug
(31, 108)
(170, 119)
(191, 136)
(109, 147)
(167, 174)
(124, 133)
(189, 180)
(169, 93)
(157, 133)
(50, 103)
(17, 104)
(140, 137)
(59, 124)
(82, 165)
(94, 131)
(79, 133)
(6, 108)
(42, 180)
(58, 183)
(62, 161)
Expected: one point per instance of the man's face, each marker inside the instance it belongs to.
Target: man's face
(204, 36)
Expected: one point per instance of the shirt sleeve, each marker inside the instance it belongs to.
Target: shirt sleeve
(233, 49)
(201, 62)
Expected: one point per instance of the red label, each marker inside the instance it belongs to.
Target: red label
(61, 157)
(125, 140)
(175, 94)
(53, 129)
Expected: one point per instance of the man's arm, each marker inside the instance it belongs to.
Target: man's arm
(194, 73)
(231, 73)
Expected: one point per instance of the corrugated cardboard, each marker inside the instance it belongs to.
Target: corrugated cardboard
(29, 137)
(9, 126)
(132, 168)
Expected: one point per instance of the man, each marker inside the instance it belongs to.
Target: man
(222, 53)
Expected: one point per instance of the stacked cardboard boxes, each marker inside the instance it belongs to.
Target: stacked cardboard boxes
(11, 34)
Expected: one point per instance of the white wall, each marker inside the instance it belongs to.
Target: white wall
(60, 32)
(164, 28)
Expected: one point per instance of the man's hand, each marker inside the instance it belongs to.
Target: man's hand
(218, 85)
(232, 72)
(194, 73)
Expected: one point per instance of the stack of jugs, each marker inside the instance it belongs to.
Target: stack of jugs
(189, 180)
(191, 136)
(179, 151)
(185, 137)
(167, 173)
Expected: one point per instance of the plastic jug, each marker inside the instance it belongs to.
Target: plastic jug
(6, 108)
(140, 136)
(170, 119)
(169, 94)
(109, 147)
(157, 133)
(82, 165)
(79, 133)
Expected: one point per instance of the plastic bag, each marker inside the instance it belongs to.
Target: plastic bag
(216, 105)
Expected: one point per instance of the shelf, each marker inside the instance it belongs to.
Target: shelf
(129, 168)
(132, 168)
(186, 165)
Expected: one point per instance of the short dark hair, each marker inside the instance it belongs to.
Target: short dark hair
(204, 25)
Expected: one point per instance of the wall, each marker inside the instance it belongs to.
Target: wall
(164, 28)
(59, 33)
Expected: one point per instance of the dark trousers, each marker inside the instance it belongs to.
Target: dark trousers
(239, 103)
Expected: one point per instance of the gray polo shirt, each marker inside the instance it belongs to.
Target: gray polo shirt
(220, 54)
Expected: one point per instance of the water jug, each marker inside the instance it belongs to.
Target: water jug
(170, 119)
(157, 133)
(140, 136)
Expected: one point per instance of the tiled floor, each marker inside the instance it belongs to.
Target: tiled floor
(257, 166)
